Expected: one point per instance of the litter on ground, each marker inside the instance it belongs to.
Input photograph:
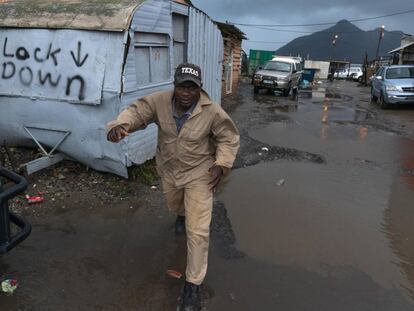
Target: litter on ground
(9, 286)
(174, 274)
(280, 182)
(34, 199)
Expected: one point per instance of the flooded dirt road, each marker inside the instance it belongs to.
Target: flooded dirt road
(318, 215)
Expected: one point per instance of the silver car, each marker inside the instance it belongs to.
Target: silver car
(281, 74)
(393, 85)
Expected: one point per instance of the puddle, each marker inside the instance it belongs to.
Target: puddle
(324, 216)
(275, 99)
(101, 259)
(330, 130)
(333, 95)
(349, 219)
(337, 234)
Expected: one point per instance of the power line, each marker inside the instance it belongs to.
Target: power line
(281, 30)
(321, 31)
(273, 42)
(324, 24)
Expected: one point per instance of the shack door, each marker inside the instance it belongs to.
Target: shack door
(229, 71)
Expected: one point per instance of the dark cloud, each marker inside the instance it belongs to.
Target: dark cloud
(303, 12)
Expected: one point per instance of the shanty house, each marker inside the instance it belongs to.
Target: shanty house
(67, 67)
(232, 37)
(404, 54)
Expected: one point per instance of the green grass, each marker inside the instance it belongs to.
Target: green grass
(145, 173)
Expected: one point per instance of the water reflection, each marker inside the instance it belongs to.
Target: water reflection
(399, 215)
(347, 213)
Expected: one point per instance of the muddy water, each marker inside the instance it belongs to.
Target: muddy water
(89, 258)
(336, 235)
(346, 223)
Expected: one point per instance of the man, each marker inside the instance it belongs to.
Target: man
(197, 145)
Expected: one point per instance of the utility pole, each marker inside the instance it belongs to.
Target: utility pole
(366, 69)
(333, 46)
(335, 38)
(381, 35)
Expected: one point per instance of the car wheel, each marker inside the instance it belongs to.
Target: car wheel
(256, 90)
(360, 79)
(373, 97)
(383, 103)
(286, 92)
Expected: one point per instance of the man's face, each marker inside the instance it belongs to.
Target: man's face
(186, 94)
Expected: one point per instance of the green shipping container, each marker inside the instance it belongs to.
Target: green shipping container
(258, 58)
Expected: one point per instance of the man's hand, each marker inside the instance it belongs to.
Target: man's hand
(215, 172)
(117, 133)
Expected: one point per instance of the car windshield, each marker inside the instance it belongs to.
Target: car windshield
(400, 73)
(278, 66)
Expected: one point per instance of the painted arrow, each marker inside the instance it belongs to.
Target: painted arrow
(78, 60)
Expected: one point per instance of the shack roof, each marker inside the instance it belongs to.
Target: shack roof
(402, 47)
(111, 15)
(231, 29)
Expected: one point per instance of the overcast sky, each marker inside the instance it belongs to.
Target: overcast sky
(304, 12)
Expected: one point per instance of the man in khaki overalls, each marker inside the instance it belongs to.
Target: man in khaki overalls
(197, 144)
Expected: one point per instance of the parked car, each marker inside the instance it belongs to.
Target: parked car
(346, 72)
(356, 76)
(393, 85)
(281, 74)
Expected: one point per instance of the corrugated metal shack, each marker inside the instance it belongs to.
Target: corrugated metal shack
(404, 54)
(68, 67)
(232, 37)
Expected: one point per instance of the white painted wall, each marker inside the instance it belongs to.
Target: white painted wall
(322, 68)
(48, 104)
(94, 60)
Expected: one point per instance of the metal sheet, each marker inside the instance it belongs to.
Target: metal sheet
(180, 31)
(402, 47)
(205, 48)
(180, 8)
(43, 162)
(70, 14)
(153, 17)
(87, 123)
(63, 65)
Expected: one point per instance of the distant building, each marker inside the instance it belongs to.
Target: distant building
(404, 54)
(232, 39)
(321, 68)
(258, 58)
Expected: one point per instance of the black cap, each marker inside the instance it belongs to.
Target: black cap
(188, 72)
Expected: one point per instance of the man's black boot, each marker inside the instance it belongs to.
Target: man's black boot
(191, 297)
(180, 225)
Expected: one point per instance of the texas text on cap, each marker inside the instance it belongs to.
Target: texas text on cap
(188, 72)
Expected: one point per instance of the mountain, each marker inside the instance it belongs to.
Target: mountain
(351, 45)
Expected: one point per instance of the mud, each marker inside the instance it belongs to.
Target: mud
(331, 219)
(335, 235)
(222, 234)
